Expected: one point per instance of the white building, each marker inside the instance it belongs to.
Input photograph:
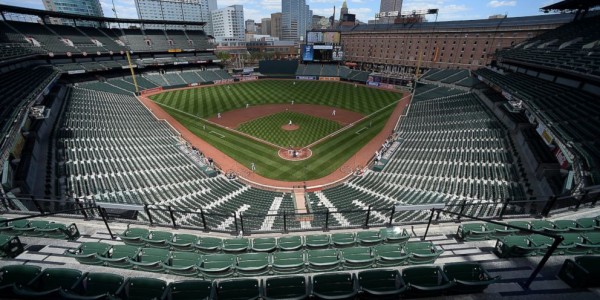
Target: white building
(228, 23)
(177, 10)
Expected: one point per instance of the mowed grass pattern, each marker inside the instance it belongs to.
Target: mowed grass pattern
(206, 102)
(269, 128)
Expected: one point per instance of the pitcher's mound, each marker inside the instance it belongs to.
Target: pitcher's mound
(288, 127)
(295, 154)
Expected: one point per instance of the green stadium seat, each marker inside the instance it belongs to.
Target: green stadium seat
(381, 283)
(142, 288)
(340, 240)
(592, 241)
(151, 260)
(10, 246)
(209, 244)
(183, 242)
(429, 281)
(158, 239)
(323, 260)
(368, 238)
(468, 277)
(317, 241)
(60, 231)
(264, 244)
(16, 275)
(133, 236)
(236, 245)
(394, 235)
(288, 262)
(541, 242)
(542, 225)
(35, 228)
(497, 231)
(334, 286)
(585, 224)
(574, 244)
(291, 288)
(290, 243)
(564, 225)
(217, 265)
(389, 255)
(514, 246)
(422, 252)
(253, 264)
(4, 225)
(94, 286)
(521, 224)
(239, 289)
(473, 232)
(120, 256)
(21, 227)
(48, 283)
(183, 263)
(581, 272)
(88, 252)
(189, 290)
(357, 258)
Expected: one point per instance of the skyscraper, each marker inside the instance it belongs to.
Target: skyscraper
(80, 7)
(178, 10)
(265, 25)
(228, 23)
(390, 5)
(276, 25)
(344, 10)
(296, 18)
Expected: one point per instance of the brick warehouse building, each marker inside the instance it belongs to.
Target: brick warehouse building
(446, 45)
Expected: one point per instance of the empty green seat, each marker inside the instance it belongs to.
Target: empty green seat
(389, 255)
(142, 288)
(151, 259)
(95, 286)
(236, 245)
(573, 243)
(381, 283)
(357, 257)
(217, 265)
(521, 224)
(183, 242)
(426, 281)
(468, 277)
(158, 239)
(317, 241)
(253, 264)
(290, 243)
(133, 236)
(368, 238)
(120, 256)
(183, 263)
(21, 227)
(189, 290)
(514, 246)
(564, 225)
(288, 262)
(541, 242)
(4, 225)
(48, 283)
(241, 289)
(207, 244)
(323, 260)
(592, 241)
(541, 225)
(88, 253)
(581, 272)
(497, 231)
(290, 288)
(10, 246)
(422, 252)
(16, 275)
(334, 286)
(264, 244)
(473, 232)
(60, 231)
(585, 224)
(343, 239)
(394, 235)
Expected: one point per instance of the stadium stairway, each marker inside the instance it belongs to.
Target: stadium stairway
(514, 272)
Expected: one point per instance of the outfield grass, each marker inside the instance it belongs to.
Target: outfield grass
(327, 156)
(269, 128)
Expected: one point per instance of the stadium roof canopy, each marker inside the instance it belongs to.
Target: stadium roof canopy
(571, 5)
(45, 13)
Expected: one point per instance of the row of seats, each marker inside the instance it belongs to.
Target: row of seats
(537, 244)
(39, 228)
(215, 265)
(29, 281)
(142, 237)
(10, 245)
(484, 231)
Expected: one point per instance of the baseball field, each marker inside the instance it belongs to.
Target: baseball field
(333, 119)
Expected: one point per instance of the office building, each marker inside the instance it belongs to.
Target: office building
(178, 10)
(276, 25)
(80, 7)
(296, 19)
(228, 24)
(265, 26)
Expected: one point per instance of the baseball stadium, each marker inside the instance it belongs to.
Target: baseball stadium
(439, 159)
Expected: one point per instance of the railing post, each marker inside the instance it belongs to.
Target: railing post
(503, 210)
(392, 216)
(102, 214)
(203, 219)
(80, 206)
(582, 199)
(147, 210)
(284, 222)
(172, 216)
(428, 224)
(326, 220)
(549, 206)
(541, 264)
(367, 218)
(236, 224)
(37, 205)
(242, 222)
(437, 217)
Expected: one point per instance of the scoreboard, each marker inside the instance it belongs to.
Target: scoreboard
(322, 46)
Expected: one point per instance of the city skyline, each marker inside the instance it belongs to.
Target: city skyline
(364, 9)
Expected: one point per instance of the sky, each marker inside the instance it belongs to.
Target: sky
(364, 9)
